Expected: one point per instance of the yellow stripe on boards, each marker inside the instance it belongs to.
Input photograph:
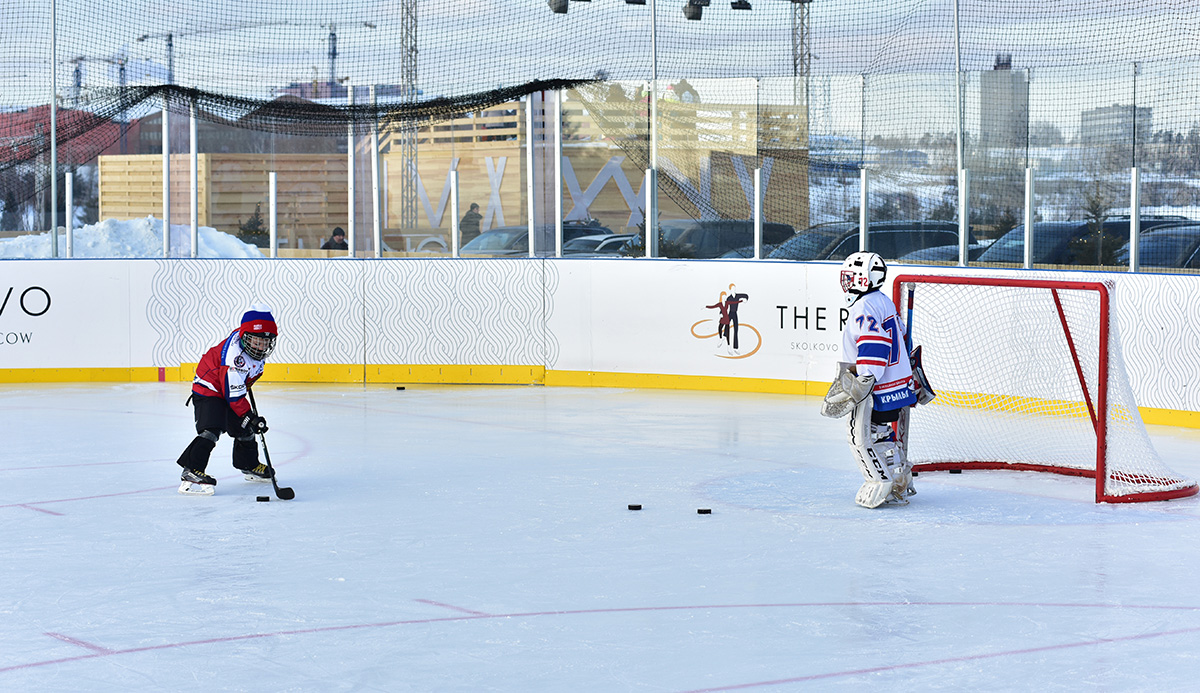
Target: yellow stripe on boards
(538, 375)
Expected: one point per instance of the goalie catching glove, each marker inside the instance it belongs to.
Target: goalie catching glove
(254, 423)
(846, 391)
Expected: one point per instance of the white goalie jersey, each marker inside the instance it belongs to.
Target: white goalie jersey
(874, 339)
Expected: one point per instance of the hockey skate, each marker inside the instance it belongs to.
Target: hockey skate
(194, 483)
(257, 473)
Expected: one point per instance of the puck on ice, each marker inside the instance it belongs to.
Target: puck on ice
(704, 511)
(263, 499)
(635, 506)
(956, 471)
(399, 387)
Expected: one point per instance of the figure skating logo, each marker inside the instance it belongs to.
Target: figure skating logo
(729, 345)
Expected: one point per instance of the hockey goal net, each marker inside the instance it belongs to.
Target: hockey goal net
(1029, 376)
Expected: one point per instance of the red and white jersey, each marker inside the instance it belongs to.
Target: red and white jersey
(874, 339)
(226, 371)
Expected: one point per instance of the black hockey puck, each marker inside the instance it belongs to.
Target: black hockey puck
(704, 511)
(263, 499)
(956, 471)
(399, 387)
(635, 506)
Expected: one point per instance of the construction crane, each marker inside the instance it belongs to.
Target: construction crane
(77, 87)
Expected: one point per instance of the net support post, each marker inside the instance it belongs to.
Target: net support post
(376, 226)
(964, 214)
(758, 221)
(529, 186)
(1029, 212)
(864, 207)
(650, 220)
(166, 178)
(454, 229)
(193, 184)
(1135, 218)
(68, 204)
(350, 212)
(558, 179)
(53, 130)
(273, 213)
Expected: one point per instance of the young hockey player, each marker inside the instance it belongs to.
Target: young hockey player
(876, 386)
(223, 377)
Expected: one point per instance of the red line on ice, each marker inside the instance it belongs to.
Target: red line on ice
(637, 609)
(451, 606)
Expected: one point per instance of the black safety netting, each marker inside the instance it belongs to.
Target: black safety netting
(805, 93)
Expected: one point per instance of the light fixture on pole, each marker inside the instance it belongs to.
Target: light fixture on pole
(694, 9)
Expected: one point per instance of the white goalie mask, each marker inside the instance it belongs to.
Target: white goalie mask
(862, 272)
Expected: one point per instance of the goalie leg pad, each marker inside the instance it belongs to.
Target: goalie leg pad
(873, 494)
(887, 478)
(872, 456)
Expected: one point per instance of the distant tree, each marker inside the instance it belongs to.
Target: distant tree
(946, 210)
(1097, 248)
(253, 231)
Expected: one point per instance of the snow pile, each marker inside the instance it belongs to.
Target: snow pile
(135, 238)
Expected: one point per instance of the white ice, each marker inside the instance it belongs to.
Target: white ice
(477, 538)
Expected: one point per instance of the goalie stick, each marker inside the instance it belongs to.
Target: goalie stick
(286, 492)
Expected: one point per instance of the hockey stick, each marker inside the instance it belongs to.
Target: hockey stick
(285, 493)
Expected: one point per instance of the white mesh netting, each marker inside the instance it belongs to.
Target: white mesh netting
(1009, 392)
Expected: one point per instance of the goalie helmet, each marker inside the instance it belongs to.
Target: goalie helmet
(862, 273)
(258, 332)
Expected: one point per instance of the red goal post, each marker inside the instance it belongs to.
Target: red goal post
(1029, 376)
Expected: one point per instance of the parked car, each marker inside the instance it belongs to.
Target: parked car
(1052, 240)
(690, 238)
(514, 240)
(711, 239)
(500, 241)
(943, 253)
(607, 244)
(890, 239)
(1167, 246)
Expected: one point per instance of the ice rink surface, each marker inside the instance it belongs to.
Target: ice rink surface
(477, 538)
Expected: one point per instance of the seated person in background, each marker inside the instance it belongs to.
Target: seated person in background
(337, 241)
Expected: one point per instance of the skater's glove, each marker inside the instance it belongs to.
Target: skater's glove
(254, 423)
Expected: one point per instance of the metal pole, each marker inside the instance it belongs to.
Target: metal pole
(273, 212)
(166, 162)
(958, 89)
(652, 188)
(558, 155)
(454, 239)
(1029, 214)
(864, 206)
(758, 221)
(529, 170)
(1135, 219)
(69, 202)
(53, 130)
(195, 184)
(376, 225)
(964, 214)
(350, 230)
(651, 229)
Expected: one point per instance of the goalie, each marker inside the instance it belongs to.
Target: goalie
(878, 387)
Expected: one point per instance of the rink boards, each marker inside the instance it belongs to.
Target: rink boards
(602, 322)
